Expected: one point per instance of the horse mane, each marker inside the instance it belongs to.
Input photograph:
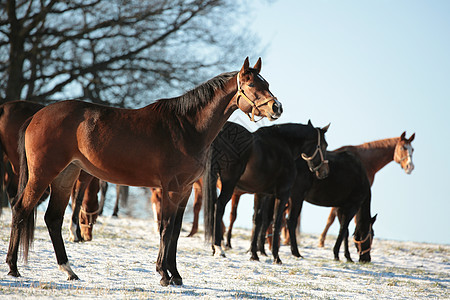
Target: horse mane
(195, 99)
(287, 130)
(379, 144)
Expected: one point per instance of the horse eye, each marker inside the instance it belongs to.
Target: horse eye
(251, 84)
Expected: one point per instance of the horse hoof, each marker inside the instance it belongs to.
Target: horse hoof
(14, 273)
(222, 255)
(73, 277)
(176, 281)
(164, 282)
(298, 255)
(254, 258)
(277, 261)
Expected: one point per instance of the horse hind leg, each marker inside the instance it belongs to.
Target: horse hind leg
(22, 224)
(61, 189)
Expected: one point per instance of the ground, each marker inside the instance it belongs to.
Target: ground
(120, 263)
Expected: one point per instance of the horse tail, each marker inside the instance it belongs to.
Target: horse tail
(27, 222)
(209, 192)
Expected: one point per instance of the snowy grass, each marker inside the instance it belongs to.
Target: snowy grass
(120, 263)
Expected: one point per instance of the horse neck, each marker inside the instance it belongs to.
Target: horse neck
(376, 155)
(363, 217)
(209, 120)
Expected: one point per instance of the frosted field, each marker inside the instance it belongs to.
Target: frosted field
(120, 263)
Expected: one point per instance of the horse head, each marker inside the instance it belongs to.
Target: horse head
(363, 240)
(87, 221)
(253, 95)
(403, 153)
(316, 157)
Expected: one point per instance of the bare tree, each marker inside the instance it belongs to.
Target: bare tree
(117, 52)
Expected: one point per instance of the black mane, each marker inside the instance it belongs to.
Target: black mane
(195, 99)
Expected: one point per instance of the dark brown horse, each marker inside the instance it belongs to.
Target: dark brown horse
(374, 156)
(260, 162)
(161, 145)
(346, 188)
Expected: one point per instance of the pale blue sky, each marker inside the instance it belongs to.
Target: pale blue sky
(373, 69)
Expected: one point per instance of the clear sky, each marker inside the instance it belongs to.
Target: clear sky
(373, 69)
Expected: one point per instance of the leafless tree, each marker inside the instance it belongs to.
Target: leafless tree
(118, 52)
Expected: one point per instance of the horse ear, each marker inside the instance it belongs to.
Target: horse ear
(309, 123)
(257, 66)
(325, 129)
(412, 137)
(402, 137)
(245, 66)
(373, 219)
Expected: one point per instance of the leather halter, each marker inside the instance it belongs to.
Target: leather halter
(310, 158)
(255, 107)
(359, 243)
(89, 217)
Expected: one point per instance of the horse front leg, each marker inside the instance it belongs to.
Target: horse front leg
(233, 215)
(198, 197)
(224, 198)
(175, 278)
(77, 199)
(292, 222)
(330, 221)
(346, 250)
(257, 224)
(280, 206)
(344, 218)
(267, 205)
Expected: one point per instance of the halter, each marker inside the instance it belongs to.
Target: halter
(399, 160)
(240, 93)
(310, 158)
(359, 243)
(89, 216)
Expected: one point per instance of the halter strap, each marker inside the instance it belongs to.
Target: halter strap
(310, 158)
(255, 107)
(359, 243)
(89, 216)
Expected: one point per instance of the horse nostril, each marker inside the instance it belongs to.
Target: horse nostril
(277, 109)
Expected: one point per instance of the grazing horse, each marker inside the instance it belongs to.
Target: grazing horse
(161, 145)
(259, 162)
(122, 192)
(347, 188)
(374, 156)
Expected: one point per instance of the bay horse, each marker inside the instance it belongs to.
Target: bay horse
(259, 162)
(374, 156)
(163, 144)
(13, 115)
(347, 188)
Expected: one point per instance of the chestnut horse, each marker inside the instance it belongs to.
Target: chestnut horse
(259, 162)
(374, 156)
(161, 145)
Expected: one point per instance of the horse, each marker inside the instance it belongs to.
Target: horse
(122, 192)
(12, 116)
(375, 156)
(163, 144)
(347, 188)
(259, 162)
(85, 207)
